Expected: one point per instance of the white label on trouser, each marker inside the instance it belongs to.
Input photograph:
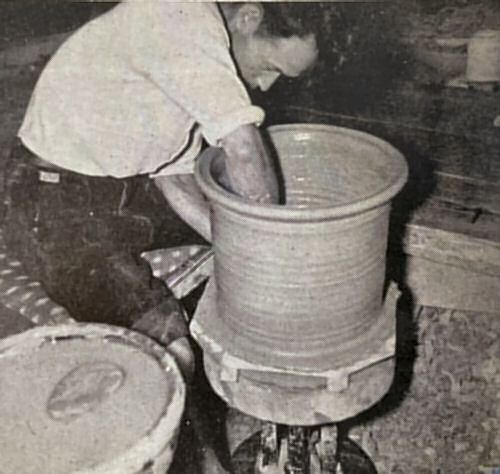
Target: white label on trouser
(49, 177)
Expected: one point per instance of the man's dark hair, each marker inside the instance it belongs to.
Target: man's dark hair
(283, 19)
(288, 19)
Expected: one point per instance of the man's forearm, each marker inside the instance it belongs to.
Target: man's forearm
(186, 199)
(250, 172)
(249, 166)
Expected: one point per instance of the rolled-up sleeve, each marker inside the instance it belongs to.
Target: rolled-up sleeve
(185, 51)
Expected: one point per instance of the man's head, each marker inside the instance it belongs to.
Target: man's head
(269, 40)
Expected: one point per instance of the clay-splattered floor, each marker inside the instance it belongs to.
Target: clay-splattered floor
(443, 414)
(448, 418)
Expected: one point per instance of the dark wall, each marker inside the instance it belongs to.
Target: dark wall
(28, 18)
(362, 56)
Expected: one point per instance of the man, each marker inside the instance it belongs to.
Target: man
(129, 98)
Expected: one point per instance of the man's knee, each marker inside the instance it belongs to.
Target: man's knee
(164, 322)
(167, 325)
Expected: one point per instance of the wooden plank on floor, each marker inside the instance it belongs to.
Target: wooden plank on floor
(452, 260)
(445, 286)
(473, 193)
(454, 249)
(457, 219)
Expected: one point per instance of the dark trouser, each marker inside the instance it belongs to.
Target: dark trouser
(77, 236)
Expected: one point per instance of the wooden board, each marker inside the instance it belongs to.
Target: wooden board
(446, 286)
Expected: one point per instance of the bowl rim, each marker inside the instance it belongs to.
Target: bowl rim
(217, 195)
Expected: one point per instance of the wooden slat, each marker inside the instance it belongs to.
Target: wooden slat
(441, 215)
(475, 194)
(451, 248)
(445, 286)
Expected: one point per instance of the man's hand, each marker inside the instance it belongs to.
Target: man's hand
(249, 166)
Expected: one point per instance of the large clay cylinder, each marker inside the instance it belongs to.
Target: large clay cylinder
(301, 284)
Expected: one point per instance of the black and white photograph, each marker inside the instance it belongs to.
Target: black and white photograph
(250, 237)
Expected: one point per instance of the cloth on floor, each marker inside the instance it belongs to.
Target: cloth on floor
(25, 296)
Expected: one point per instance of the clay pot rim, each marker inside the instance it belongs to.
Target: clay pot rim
(219, 196)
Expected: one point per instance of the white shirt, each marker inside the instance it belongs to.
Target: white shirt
(135, 90)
